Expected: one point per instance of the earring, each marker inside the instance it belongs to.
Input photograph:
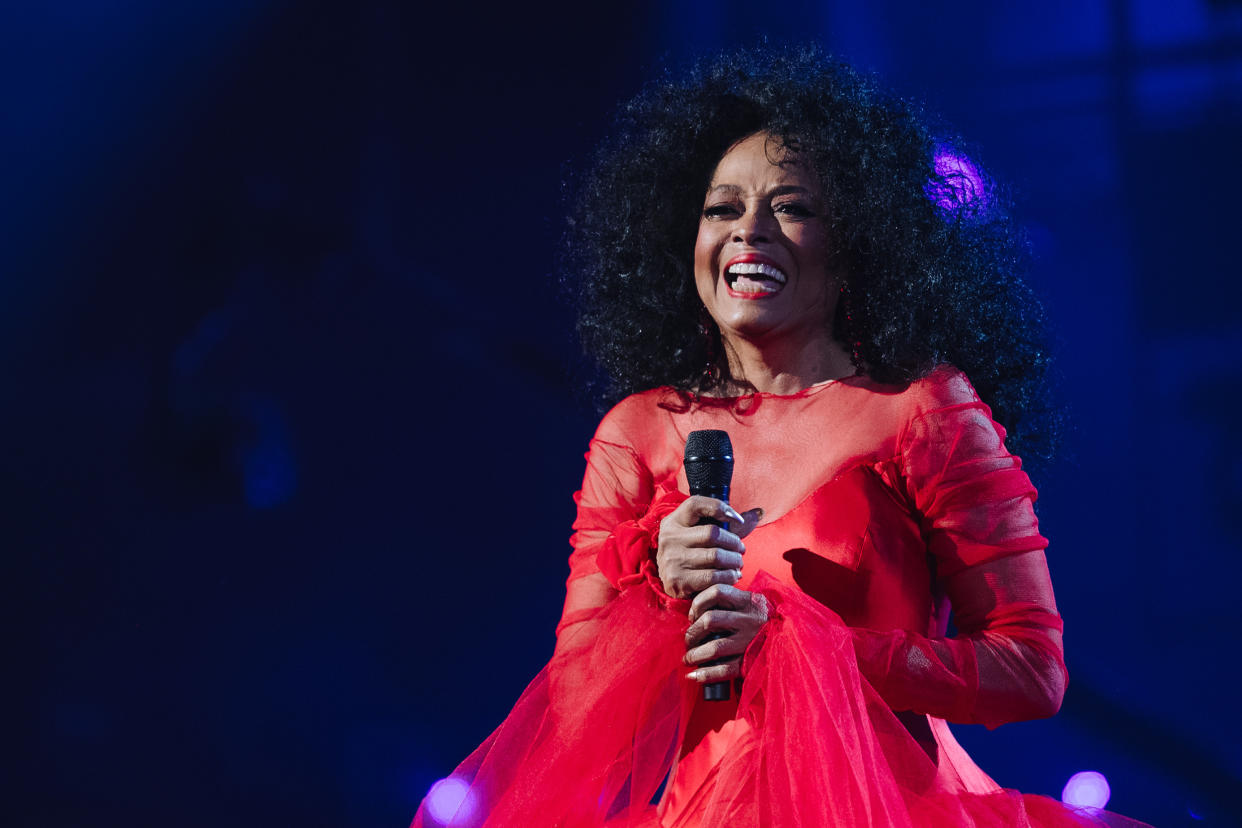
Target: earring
(711, 346)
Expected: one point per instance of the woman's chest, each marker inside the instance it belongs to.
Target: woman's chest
(837, 521)
(854, 545)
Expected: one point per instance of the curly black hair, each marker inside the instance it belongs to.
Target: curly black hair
(925, 283)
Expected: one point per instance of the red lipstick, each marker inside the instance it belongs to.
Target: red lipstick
(760, 285)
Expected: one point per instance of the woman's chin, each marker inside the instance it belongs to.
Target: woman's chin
(751, 325)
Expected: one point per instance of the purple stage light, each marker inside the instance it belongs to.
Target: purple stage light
(959, 184)
(451, 799)
(1086, 789)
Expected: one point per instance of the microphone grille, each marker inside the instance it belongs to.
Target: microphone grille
(708, 460)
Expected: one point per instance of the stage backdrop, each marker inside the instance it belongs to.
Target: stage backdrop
(293, 412)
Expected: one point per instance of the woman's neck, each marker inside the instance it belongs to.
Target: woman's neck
(783, 367)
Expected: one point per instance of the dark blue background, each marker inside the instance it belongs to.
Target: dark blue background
(290, 418)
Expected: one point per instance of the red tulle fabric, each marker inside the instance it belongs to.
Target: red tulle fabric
(591, 739)
(629, 544)
(883, 508)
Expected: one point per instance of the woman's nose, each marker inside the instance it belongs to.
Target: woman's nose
(752, 227)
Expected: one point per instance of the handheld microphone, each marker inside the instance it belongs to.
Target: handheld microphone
(709, 470)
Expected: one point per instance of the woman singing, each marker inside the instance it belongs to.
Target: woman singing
(766, 247)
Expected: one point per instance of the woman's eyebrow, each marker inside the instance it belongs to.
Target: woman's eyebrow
(783, 189)
(786, 189)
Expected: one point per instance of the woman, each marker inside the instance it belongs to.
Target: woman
(761, 249)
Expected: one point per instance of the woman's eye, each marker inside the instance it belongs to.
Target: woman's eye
(719, 210)
(793, 208)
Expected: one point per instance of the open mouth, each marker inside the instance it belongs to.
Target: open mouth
(752, 280)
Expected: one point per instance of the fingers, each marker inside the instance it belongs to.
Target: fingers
(726, 610)
(714, 536)
(697, 507)
(731, 669)
(692, 557)
(724, 621)
(707, 537)
(714, 558)
(714, 650)
(721, 596)
(680, 582)
(687, 516)
(699, 580)
(706, 631)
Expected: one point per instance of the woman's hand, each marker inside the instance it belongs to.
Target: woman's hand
(727, 610)
(691, 558)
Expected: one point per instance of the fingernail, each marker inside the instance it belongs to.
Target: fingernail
(694, 675)
(733, 515)
(759, 514)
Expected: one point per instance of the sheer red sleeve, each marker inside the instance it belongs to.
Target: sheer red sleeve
(620, 507)
(976, 506)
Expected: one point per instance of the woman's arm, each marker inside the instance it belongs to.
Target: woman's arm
(976, 506)
(1005, 664)
(632, 532)
(616, 488)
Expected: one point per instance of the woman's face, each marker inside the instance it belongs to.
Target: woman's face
(760, 261)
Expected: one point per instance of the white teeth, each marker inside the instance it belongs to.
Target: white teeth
(757, 268)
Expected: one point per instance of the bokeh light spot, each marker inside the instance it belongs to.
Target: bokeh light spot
(1086, 789)
(451, 799)
(958, 184)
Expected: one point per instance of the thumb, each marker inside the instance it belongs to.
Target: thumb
(751, 518)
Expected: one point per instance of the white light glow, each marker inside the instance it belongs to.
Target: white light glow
(1086, 789)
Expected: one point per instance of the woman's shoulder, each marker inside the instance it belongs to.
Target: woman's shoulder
(945, 405)
(632, 421)
(895, 407)
(944, 387)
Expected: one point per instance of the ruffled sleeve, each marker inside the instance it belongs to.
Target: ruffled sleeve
(975, 501)
(976, 510)
(620, 507)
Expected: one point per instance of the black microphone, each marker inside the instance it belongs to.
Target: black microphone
(709, 470)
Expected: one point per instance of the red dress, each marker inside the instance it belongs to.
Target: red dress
(883, 508)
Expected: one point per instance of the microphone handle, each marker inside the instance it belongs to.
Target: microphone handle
(717, 690)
